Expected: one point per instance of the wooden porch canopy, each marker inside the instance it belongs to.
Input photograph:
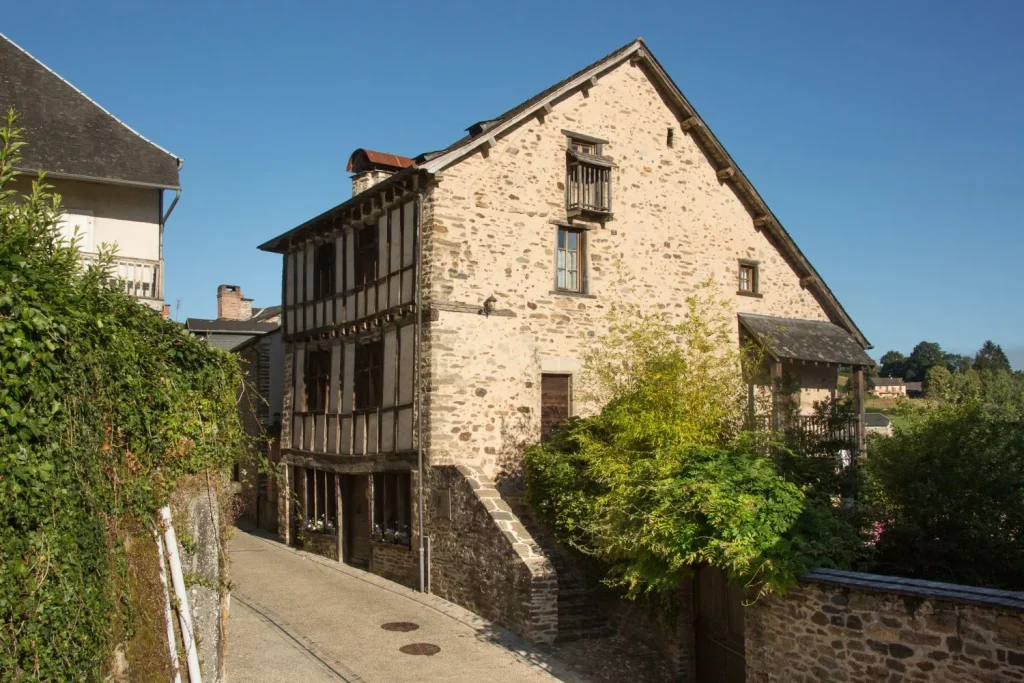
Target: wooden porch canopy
(809, 341)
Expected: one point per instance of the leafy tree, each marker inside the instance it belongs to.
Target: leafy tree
(924, 357)
(894, 364)
(937, 383)
(956, 362)
(949, 489)
(990, 357)
(664, 477)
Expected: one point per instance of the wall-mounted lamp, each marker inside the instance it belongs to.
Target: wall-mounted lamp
(489, 304)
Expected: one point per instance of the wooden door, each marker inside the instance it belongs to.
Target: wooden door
(355, 500)
(719, 627)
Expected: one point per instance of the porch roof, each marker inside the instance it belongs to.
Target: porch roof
(805, 340)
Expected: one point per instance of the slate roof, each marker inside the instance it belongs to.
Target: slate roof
(67, 134)
(886, 381)
(876, 420)
(261, 314)
(915, 386)
(807, 340)
(229, 326)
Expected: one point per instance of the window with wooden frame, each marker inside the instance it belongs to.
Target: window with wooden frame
(570, 260)
(366, 256)
(748, 278)
(320, 507)
(369, 375)
(588, 182)
(323, 270)
(555, 403)
(317, 378)
(392, 517)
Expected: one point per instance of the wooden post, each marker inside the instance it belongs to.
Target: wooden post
(284, 503)
(300, 491)
(858, 403)
(339, 518)
(776, 394)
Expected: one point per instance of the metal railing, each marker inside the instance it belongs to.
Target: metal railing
(141, 278)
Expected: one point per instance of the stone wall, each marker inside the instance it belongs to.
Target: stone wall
(483, 559)
(488, 231)
(849, 627)
(396, 563)
(675, 641)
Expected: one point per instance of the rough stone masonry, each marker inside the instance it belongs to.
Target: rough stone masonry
(856, 628)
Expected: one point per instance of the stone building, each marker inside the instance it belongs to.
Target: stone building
(434, 322)
(112, 181)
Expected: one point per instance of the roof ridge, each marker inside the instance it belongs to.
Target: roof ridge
(94, 102)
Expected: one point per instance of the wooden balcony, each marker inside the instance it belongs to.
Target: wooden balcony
(141, 278)
(588, 187)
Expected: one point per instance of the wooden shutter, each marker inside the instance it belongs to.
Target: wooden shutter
(555, 403)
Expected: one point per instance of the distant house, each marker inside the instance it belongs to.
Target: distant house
(237, 321)
(888, 387)
(877, 423)
(254, 334)
(915, 389)
(112, 181)
(262, 359)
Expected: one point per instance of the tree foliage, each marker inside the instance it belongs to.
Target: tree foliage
(103, 407)
(990, 357)
(949, 493)
(665, 477)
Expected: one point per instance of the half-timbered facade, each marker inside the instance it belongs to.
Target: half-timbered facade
(435, 322)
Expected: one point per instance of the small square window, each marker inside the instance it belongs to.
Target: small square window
(748, 278)
(583, 147)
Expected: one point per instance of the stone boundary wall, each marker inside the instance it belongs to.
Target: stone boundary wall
(852, 627)
(483, 559)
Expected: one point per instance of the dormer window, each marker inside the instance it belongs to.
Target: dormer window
(588, 182)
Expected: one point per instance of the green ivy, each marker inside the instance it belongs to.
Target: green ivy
(104, 405)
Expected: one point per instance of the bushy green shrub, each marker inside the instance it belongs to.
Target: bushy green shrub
(103, 407)
(948, 493)
(663, 477)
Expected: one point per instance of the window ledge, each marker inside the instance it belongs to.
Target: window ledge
(569, 292)
(753, 295)
(396, 546)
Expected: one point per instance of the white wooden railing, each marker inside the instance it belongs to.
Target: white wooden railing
(142, 278)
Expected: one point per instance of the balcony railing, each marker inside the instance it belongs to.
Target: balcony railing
(588, 187)
(141, 278)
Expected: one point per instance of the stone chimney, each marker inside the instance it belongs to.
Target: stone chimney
(370, 168)
(231, 304)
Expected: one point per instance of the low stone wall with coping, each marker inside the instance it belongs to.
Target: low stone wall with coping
(853, 627)
(482, 557)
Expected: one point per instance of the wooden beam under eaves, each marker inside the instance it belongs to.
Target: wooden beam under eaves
(808, 280)
(726, 173)
(762, 222)
(689, 123)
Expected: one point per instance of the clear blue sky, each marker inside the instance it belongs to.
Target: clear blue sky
(887, 136)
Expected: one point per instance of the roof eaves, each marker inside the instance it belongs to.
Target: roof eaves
(94, 102)
(459, 150)
(95, 179)
(710, 138)
(274, 245)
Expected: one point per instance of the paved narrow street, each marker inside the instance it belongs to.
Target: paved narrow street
(300, 617)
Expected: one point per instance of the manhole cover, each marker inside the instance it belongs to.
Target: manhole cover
(400, 626)
(420, 649)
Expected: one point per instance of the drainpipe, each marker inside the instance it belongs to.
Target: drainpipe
(163, 222)
(419, 385)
